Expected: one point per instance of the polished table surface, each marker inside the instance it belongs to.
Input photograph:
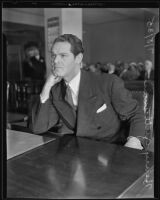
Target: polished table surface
(74, 167)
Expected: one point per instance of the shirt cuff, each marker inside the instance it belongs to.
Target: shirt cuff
(133, 142)
(43, 99)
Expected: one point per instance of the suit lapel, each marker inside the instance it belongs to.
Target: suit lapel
(87, 98)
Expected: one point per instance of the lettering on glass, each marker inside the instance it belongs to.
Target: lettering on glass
(150, 34)
(52, 30)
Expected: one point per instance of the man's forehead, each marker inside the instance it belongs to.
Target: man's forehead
(61, 47)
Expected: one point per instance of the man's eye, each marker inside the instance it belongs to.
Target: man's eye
(53, 56)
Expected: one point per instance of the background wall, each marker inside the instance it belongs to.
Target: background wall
(120, 40)
(87, 42)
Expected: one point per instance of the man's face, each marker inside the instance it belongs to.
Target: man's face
(64, 63)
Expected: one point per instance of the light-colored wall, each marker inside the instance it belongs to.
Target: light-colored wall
(49, 13)
(72, 21)
(123, 40)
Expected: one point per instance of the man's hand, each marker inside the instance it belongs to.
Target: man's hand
(133, 142)
(51, 81)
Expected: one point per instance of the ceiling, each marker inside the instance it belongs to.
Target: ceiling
(101, 15)
(90, 16)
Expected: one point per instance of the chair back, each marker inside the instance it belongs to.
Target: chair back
(21, 93)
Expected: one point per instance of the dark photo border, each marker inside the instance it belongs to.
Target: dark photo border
(81, 4)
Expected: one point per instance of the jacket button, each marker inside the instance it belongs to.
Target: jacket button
(99, 127)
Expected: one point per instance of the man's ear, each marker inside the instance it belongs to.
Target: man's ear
(79, 58)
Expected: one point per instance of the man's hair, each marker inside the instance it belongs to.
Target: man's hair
(75, 42)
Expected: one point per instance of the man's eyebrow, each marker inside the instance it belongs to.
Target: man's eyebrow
(64, 53)
(61, 53)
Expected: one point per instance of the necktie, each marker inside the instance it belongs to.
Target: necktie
(68, 96)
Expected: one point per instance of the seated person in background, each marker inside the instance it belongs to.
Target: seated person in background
(125, 69)
(93, 68)
(84, 103)
(34, 67)
(104, 68)
(111, 68)
(85, 66)
(141, 69)
(149, 71)
(119, 67)
(132, 73)
(98, 66)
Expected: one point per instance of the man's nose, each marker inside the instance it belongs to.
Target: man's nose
(56, 59)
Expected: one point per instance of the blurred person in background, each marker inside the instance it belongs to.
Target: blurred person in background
(104, 68)
(85, 66)
(98, 66)
(141, 69)
(125, 69)
(34, 67)
(111, 68)
(119, 67)
(149, 71)
(94, 68)
(132, 73)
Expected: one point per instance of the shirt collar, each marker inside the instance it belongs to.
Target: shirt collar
(74, 83)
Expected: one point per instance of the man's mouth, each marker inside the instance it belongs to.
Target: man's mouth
(58, 67)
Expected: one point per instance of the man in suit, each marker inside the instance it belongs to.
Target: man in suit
(101, 107)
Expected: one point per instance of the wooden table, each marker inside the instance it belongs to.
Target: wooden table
(74, 167)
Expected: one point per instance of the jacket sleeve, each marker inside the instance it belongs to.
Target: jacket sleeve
(43, 116)
(127, 108)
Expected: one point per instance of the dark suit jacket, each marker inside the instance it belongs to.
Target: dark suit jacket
(95, 90)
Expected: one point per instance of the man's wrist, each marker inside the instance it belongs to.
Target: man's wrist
(45, 92)
(43, 99)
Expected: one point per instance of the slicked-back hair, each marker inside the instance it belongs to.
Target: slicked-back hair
(75, 42)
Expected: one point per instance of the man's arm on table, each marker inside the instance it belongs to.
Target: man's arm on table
(128, 109)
